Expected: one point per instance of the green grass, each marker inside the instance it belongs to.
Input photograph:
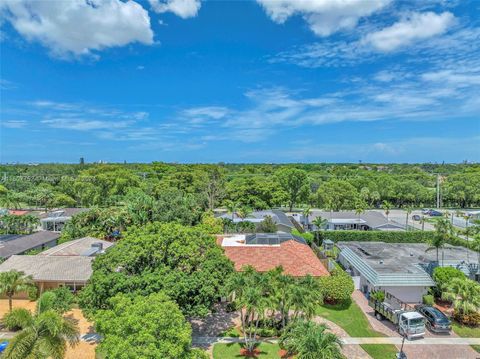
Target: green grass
(230, 351)
(351, 318)
(467, 332)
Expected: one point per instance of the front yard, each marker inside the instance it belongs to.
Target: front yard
(228, 351)
(353, 321)
(467, 332)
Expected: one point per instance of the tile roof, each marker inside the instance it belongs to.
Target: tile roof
(76, 247)
(297, 259)
(51, 268)
(20, 244)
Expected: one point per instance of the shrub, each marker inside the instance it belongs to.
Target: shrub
(308, 236)
(63, 300)
(443, 275)
(472, 319)
(427, 299)
(378, 295)
(338, 287)
(12, 319)
(32, 293)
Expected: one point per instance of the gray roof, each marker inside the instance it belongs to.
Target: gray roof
(373, 219)
(61, 213)
(21, 243)
(76, 247)
(277, 216)
(51, 268)
(400, 264)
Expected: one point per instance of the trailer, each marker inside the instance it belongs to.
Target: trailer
(409, 323)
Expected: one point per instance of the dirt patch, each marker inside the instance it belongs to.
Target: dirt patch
(17, 303)
(250, 354)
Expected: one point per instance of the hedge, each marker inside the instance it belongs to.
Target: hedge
(388, 237)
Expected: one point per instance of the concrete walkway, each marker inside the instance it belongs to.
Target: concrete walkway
(352, 341)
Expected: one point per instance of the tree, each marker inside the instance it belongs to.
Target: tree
(43, 335)
(13, 282)
(443, 233)
(476, 246)
(309, 340)
(337, 195)
(295, 183)
(320, 223)
(267, 225)
(338, 287)
(443, 276)
(464, 294)
(144, 327)
(387, 206)
(408, 211)
(185, 262)
(307, 211)
(214, 188)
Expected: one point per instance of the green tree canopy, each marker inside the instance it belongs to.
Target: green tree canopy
(184, 262)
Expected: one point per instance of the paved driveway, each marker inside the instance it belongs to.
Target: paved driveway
(425, 350)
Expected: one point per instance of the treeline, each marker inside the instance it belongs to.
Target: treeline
(329, 186)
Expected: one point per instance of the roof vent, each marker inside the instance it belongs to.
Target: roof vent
(411, 254)
(381, 261)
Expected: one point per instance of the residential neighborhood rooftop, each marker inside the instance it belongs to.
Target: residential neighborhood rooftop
(77, 247)
(17, 244)
(51, 268)
(268, 251)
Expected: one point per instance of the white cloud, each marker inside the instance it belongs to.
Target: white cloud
(78, 27)
(182, 8)
(14, 123)
(85, 124)
(323, 16)
(414, 27)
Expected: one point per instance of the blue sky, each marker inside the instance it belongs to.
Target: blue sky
(240, 81)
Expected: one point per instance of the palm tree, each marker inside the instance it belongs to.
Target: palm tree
(443, 233)
(309, 340)
(408, 211)
(306, 214)
(13, 282)
(464, 294)
(43, 335)
(320, 223)
(386, 206)
(422, 221)
(231, 208)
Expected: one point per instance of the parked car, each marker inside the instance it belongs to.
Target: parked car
(425, 210)
(434, 213)
(416, 217)
(435, 320)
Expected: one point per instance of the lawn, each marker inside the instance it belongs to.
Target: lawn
(351, 318)
(467, 332)
(230, 351)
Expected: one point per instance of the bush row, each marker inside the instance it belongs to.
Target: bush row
(388, 237)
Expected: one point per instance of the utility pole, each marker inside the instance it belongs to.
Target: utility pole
(438, 190)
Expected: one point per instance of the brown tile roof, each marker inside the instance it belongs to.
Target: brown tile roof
(297, 259)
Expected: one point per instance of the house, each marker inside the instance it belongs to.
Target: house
(51, 272)
(266, 251)
(283, 223)
(55, 220)
(69, 264)
(349, 220)
(12, 244)
(401, 269)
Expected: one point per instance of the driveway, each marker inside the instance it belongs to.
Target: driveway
(436, 346)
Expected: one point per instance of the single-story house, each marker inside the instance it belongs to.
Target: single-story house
(51, 272)
(69, 264)
(349, 220)
(266, 251)
(401, 269)
(284, 224)
(12, 244)
(55, 220)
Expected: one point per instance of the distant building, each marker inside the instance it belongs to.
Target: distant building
(349, 220)
(55, 220)
(283, 223)
(12, 244)
(266, 251)
(401, 269)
